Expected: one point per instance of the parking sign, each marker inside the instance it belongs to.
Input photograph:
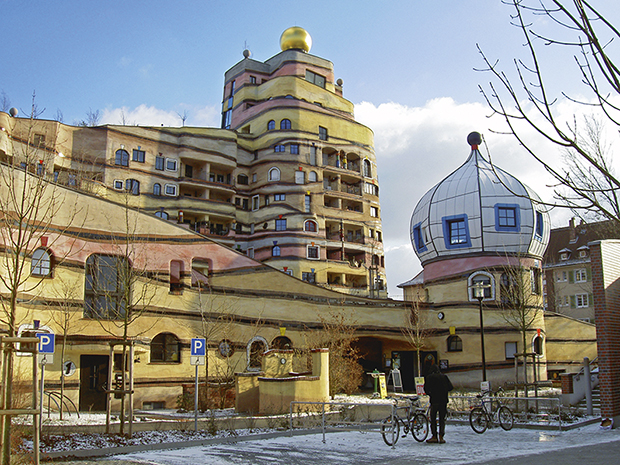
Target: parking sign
(199, 347)
(46, 343)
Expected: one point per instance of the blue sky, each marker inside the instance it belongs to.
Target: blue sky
(408, 66)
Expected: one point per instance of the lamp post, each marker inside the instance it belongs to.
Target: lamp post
(478, 289)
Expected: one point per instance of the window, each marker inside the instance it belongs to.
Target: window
(159, 162)
(374, 212)
(118, 184)
(279, 197)
(281, 225)
(581, 301)
(536, 278)
(322, 133)
(312, 155)
(275, 251)
(294, 149)
(285, 124)
(581, 275)
(255, 202)
(157, 189)
(266, 200)
(507, 217)
(312, 252)
(539, 225)
(242, 179)
(309, 277)
(170, 189)
(227, 116)
(315, 78)
(252, 79)
(104, 294)
(312, 176)
(165, 347)
(255, 350)
(162, 214)
(486, 279)
(171, 164)
(250, 252)
(367, 169)
(300, 177)
(509, 290)
(418, 238)
(38, 140)
(310, 226)
(537, 345)
(133, 186)
(122, 158)
(371, 189)
(271, 125)
(510, 349)
(456, 232)
(564, 254)
(274, 174)
(40, 168)
(41, 263)
(279, 148)
(138, 155)
(307, 203)
(562, 276)
(455, 344)
(254, 177)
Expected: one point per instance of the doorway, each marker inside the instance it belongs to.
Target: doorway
(93, 382)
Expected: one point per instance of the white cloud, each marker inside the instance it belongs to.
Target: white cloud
(145, 115)
(418, 147)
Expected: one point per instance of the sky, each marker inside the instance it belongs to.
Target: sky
(412, 69)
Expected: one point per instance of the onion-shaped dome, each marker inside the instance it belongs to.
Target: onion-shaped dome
(479, 209)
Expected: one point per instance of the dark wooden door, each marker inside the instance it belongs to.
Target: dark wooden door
(93, 382)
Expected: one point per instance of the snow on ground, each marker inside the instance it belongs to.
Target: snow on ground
(463, 446)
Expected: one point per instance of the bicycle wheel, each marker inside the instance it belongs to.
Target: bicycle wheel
(388, 433)
(419, 427)
(478, 420)
(506, 418)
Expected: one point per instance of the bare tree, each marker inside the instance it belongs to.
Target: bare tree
(338, 334)
(92, 118)
(416, 330)
(5, 102)
(529, 100)
(183, 117)
(29, 205)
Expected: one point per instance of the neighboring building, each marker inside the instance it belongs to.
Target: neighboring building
(482, 226)
(290, 179)
(568, 272)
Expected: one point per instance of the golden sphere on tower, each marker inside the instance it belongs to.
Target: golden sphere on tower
(295, 38)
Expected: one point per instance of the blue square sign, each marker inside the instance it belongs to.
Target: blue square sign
(46, 343)
(199, 347)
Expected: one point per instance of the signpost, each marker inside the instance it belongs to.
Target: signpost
(198, 353)
(45, 356)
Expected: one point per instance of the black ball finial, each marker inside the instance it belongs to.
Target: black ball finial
(474, 138)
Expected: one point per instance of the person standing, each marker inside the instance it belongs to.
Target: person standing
(437, 385)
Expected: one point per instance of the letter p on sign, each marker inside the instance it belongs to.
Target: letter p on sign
(198, 348)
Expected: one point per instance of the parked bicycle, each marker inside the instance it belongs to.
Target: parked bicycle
(490, 412)
(411, 417)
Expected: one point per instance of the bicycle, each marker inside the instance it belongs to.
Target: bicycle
(490, 412)
(414, 420)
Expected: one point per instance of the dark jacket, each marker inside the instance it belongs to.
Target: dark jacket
(437, 385)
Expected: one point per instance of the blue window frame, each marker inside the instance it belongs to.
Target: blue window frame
(507, 217)
(418, 238)
(122, 158)
(285, 124)
(539, 225)
(456, 232)
(271, 125)
(281, 225)
(279, 148)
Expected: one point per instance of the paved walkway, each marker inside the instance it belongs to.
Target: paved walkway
(584, 445)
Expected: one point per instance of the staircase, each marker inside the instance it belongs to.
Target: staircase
(596, 402)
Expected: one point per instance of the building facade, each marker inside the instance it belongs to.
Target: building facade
(290, 179)
(568, 270)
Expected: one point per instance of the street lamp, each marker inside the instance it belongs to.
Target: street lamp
(478, 290)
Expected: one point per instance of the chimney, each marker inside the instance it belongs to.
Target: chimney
(572, 233)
